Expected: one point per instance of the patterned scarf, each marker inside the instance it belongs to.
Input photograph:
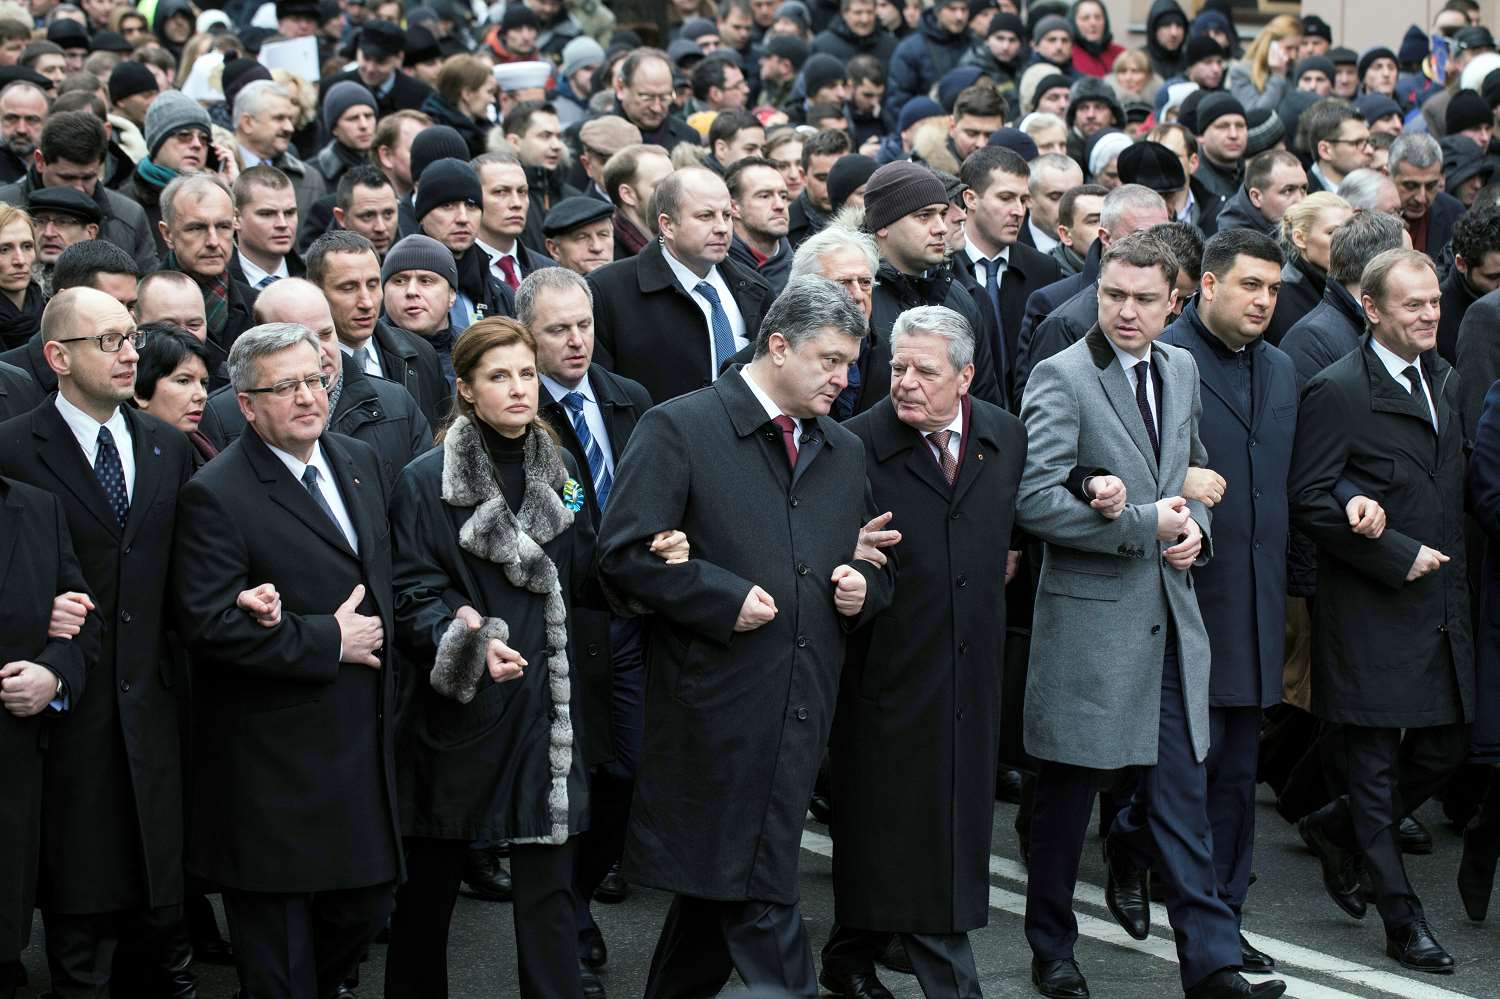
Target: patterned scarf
(215, 295)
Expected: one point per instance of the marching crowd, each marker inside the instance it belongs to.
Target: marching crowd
(549, 453)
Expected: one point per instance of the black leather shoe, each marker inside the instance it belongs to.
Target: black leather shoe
(1226, 983)
(1416, 948)
(591, 949)
(1059, 979)
(856, 985)
(1127, 893)
(1008, 785)
(1413, 837)
(820, 808)
(895, 958)
(613, 889)
(1254, 961)
(593, 988)
(485, 876)
(1340, 878)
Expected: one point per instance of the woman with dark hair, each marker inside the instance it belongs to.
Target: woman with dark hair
(21, 298)
(171, 382)
(465, 92)
(1094, 47)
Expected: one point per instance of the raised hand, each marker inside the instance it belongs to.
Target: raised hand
(873, 537)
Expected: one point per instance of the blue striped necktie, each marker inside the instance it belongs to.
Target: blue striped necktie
(598, 470)
(723, 332)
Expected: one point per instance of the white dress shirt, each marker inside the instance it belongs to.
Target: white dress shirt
(955, 439)
(495, 255)
(1395, 365)
(981, 275)
(86, 431)
(372, 357)
(1045, 242)
(327, 485)
(250, 159)
(254, 275)
(772, 410)
(1128, 361)
(593, 416)
(688, 281)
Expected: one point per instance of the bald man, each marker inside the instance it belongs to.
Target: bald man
(378, 412)
(112, 798)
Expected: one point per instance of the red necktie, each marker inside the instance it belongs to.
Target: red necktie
(789, 438)
(508, 265)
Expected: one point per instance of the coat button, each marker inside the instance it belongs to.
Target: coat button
(802, 714)
(1255, 493)
(593, 648)
(801, 641)
(1443, 628)
(953, 515)
(794, 502)
(1257, 544)
(125, 616)
(960, 714)
(801, 568)
(128, 548)
(1252, 442)
(963, 581)
(125, 686)
(963, 648)
(1156, 629)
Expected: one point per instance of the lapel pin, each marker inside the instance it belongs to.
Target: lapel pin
(356, 480)
(156, 451)
(979, 455)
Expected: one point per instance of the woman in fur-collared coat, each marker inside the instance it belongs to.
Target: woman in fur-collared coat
(490, 544)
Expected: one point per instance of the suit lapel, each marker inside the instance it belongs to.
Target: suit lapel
(355, 493)
(1173, 398)
(976, 449)
(292, 496)
(148, 473)
(59, 451)
(619, 420)
(1117, 389)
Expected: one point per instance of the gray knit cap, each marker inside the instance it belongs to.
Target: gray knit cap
(170, 113)
(898, 189)
(1052, 22)
(420, 253)
(341, 97)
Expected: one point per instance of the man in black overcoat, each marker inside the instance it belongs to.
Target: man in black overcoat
(747, 638)
(594, 412)
(922, 743)
(294, 810)
(1391, 640)
(18, 391)
(112, 800)
(671, 315)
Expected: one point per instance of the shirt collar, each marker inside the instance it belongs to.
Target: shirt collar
(558, 389)
(1044, 240)
(254, 273)
(1127, 360)
(298, 468)
(977, 256)
(772, 410)
(85, 427)
(685, 277)
(1393, 363)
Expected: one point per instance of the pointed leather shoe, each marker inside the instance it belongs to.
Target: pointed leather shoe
(1339, 877)
(1127, 893)
(1226, 983)
(1413, 837)
(1476, 870)
(591, 949)
(1254, 961)
(613, 889)
(1059, 979)
(895, 957)
(593, 988)
(1416, 948)
(857, 985)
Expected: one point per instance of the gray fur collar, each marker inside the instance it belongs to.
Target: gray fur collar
(469, 480)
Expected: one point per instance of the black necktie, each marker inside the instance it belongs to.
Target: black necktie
(1142, 372)
(111, 474)
(310, 480)
(1415, 378)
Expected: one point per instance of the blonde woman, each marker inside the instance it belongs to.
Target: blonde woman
(1306, 235)
(21, 298)
(1259, 80)
(1133, 77)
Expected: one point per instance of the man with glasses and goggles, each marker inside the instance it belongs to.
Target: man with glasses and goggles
(112, 799)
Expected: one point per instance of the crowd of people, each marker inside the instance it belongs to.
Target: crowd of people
(546, 455)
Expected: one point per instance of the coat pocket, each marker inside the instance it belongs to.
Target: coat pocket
(1081, 584)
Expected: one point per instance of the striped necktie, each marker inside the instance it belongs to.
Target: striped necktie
(598, 470)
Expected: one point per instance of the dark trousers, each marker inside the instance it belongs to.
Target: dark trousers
(416, 963)
(302, 945)
(10, 978)
(1234, 735)
(703, 941)
(81, 949)
(1165, 827)
(1389, 778)
(943, 962)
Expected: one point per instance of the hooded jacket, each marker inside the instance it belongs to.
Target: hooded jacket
(923, 58)
(1166, 62)
(843, 44)
(1093, 58)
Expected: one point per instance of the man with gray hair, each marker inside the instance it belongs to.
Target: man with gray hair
(743, 671)
(1416, 168)
(264, 120)
(197, 226)
(308, 874)
(1369, 190)
(946, 467)
(1052, 176)
(23, 112)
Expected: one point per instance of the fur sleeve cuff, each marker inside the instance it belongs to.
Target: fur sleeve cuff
(460, 665)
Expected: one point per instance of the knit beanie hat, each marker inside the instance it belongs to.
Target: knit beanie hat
(581, 53)
(1264, 129)
(1201, 47)
(1322, 64)
(821, 71)
(518, 15)
(1368, 59)
(1016, 141)
(341, 97)
(1373, 107)
(171, 112)
(444, 182)
(1051, 22)
(848, 173)
(130, 78)
(955, 82)
(436, 143)
(420, 253)
(1104, 146)
(898, 189)
(1466, 109)
(1006, 21)
(918, 109)
(1213, 106)
(1414, 46)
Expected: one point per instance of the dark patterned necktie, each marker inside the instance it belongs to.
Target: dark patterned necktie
(723, 332)
(946, 461)
(1142, 373)
(111, 475)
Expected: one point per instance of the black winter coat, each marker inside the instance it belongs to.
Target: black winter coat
(474, 133)
(1386, 653)
(843, 44)
(1301, 289)
(922, 743)
(18, 391)
(896, 292)
(1458, 295)
(1484, 506)
(30, 361)
(1322, 336)
(1239, 213)
(411, 362)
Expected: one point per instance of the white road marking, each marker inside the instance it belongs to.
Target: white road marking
(1161, 946)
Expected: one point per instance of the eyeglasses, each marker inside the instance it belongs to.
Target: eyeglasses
(288, 388)
(111, 343)
(654, 98)
(1351, 142)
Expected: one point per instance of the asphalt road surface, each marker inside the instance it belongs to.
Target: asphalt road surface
(1322, 953)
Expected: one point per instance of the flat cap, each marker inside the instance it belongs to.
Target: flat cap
(570, 213)
(66, 201)
(381, 40)
(608, 134)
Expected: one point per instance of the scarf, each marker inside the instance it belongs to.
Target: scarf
(473, 274)
(215, 295)
(633, 239)
(154, 174)
(17, 325)
(203, 445)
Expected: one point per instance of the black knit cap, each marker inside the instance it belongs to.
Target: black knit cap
(1187, 111)
(381, 40)
(111, 41)
(1466, 109)
(1322, 64)
(68, 33)
(1152, 165)
(420, 252)
(848, 173)
(130, 78)
(444, 182)
(1201, 47)
(436, 143)
(1006, 21)
(239, 74)
(518, 15)
(1368, 59)
(1016, 141)
(898, 189)
(1316, 27)
(421, 46)
(1263, 129)
(570, 213)
(821, 70)
(1213, 106)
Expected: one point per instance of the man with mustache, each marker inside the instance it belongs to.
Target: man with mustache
(264, 120)
(197, 225)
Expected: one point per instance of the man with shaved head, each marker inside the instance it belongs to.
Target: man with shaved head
(197, 225)
(379, 412)
(671, 315)
(112, 800)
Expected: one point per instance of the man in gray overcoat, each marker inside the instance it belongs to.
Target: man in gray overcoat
(1119, 665)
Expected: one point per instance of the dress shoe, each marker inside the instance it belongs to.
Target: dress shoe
(213, 952)
(1254, 961)
(856, 985)
(1416, 948)
(895, 958)
(485, 876)
(1413, 837)
(1059, 979)
(613, 889)
(1226, 983)
(1340, 875)
(1008, 785)
(591, 949)
(1127, 893)
(821, 808)
(345, 992)
(593, 988)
